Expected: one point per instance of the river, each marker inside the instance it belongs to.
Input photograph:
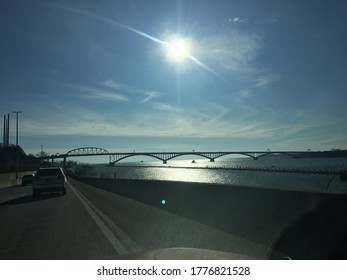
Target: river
(229, 171)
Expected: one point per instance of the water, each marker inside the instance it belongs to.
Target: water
(219, 172)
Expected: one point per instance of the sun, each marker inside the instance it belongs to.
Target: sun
(178, 50)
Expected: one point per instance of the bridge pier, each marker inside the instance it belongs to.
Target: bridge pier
(164, 162)
(211, 159)
(255, 158)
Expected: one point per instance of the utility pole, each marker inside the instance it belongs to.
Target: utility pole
(8, 131)
(17, 147)
(4, 135)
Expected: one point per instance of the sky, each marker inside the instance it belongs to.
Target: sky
(208, 75)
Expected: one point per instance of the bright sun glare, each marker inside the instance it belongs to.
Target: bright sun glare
(178, 50)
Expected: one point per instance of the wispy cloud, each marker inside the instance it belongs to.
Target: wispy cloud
(238, 20)
(119, 86)
(150, 95)
(105, 95)
(111, 90)
(233, 52)
(165, 107)
(244, 93)
(315, 138)
(165, 120)
(264, 80)
(131, 90)
(94, 92)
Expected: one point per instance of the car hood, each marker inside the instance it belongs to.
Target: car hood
(183, 254)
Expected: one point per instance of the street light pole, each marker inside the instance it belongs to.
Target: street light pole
(17, 147)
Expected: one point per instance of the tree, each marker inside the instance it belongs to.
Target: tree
(42, 154)
(84, 170)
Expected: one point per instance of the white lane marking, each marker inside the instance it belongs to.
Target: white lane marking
(125, 239)
(101, 219)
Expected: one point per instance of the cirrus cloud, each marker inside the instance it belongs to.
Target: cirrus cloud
(232, 52)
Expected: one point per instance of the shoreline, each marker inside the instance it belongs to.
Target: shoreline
(332, 171)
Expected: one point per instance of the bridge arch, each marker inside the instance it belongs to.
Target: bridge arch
(117, 157)
(188, 154)
(87, 151)
(294, 155)
(164, 157)
(235, 153)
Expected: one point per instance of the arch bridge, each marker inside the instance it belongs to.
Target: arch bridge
(166, 156)
(85, 151)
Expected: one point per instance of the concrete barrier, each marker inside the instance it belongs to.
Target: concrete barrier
(269, 217)
(9, 179)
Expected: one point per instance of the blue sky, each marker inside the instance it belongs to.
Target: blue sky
(257, 74)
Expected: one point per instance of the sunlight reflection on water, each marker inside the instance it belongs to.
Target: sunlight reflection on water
(187, 171)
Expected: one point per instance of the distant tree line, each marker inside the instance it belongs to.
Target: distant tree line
(84, 169)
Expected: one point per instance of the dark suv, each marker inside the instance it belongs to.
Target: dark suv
(49, 180)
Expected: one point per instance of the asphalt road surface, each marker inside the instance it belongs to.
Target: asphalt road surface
(98, 223)
(90, 223)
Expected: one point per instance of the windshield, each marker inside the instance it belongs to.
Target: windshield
(48, 172)
(215, 127)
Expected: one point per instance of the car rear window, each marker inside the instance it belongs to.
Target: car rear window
(49, 172)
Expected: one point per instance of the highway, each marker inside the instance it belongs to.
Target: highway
(90, 223)
(96, 222)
